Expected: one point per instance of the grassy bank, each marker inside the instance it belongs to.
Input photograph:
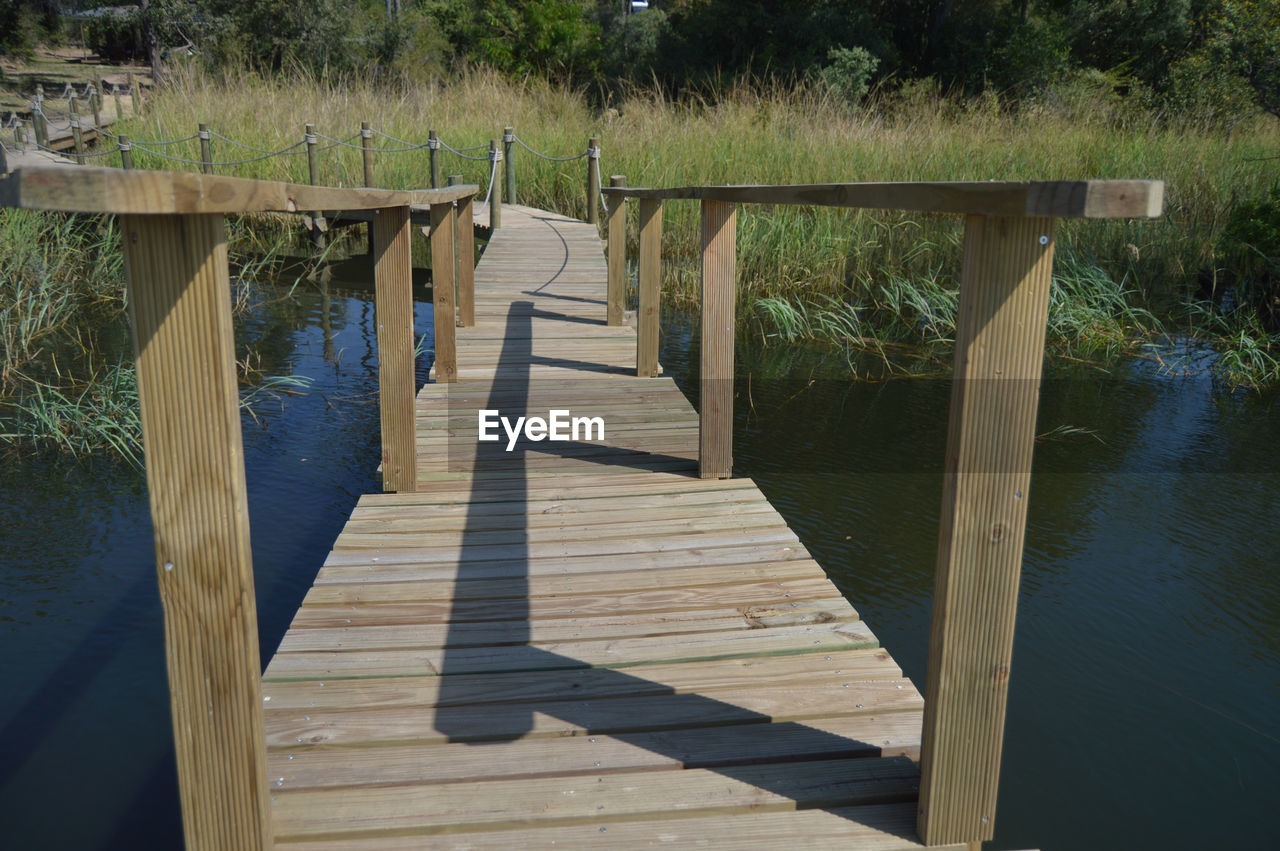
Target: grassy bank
(879, 273)
(874, 281)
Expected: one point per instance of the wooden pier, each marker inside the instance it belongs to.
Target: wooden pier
(578, 644)
(605, 641)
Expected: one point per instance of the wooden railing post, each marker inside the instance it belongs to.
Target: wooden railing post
(38, 119)
(443, 233)
(466, 259)
(76, 133)
(495, 187)
(206, 148)
(1000, 332)
(126, 151)
(617, 234)
(313, 177)
(115, 96)
(508, 163)
(719, 261)
(393, 306)
(95, 105)
(593, 180)
(366, 152)
(648, 309)
(180, 305)
(433, 154)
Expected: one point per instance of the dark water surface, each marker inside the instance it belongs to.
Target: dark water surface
(1145, 704)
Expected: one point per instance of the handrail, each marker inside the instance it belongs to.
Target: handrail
(174, 238)
(999, 353)
(1089, 199)
(123, 192)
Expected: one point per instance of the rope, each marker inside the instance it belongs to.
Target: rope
(288, 150)
(493, 174)
(74, 154)
(459, 152)
(522, 144)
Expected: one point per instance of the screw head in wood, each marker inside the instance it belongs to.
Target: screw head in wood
(1044, 240)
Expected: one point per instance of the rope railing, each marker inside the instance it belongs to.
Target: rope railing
(310, 144)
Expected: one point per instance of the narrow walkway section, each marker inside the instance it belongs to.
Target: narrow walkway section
(578, 643)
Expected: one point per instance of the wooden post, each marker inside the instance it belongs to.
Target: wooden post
(366, 152)
(508, 164)
(126, 151)
(1000, 331)
(495, 188)
(206, 148)
(38, 118)
(393, 306)
(593, 180)
(433, 152)
(648, 310)
(719, 261)
(466, 259)
(366, 155)
(443, 224)
(76, 133)
(180, 306)
(617, 233)
(313, 177)
(115, 96)
(135, 96)
(95, 104)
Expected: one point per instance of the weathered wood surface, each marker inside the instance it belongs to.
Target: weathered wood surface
(578, 644)
(110, 190)
(1090, 199)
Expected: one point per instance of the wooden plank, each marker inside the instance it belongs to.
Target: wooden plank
(1000, 331)
(582, 683)
(877, 827)
(649, 311)
(466, 264)
(1091, 199)
(443, 226)
(839, 737)
(180, 307)
(111, 190)
(393, 278)
(617, 274)
(431, 809)
(719, 261)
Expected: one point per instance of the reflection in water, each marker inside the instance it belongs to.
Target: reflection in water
(1147, 664)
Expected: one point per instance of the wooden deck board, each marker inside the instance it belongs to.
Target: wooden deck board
(578, 644)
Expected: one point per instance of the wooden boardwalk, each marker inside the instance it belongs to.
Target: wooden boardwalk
(578, 643)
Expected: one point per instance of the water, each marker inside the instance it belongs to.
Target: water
(1146, 683)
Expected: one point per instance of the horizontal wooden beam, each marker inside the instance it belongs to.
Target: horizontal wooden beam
(112, 190)
(1089, 199)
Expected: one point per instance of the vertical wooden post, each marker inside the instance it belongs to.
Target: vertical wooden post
(495, 187)
(593, 180)
(76, 133)
(366, 152)
(617, 232)
(135, 96)
(126, 151)
(433, 152)
(508, 163)
(206, 148)
(313, 177)
(393, 306)
(95, 104)
(466, 259)
(648, 310)
(38, 118)
(115, 96)
(1000, 331)
(180, 306)
(719, 263)
(443, 226)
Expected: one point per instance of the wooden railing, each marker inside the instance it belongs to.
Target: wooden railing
(180, 307)
(999, 353)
